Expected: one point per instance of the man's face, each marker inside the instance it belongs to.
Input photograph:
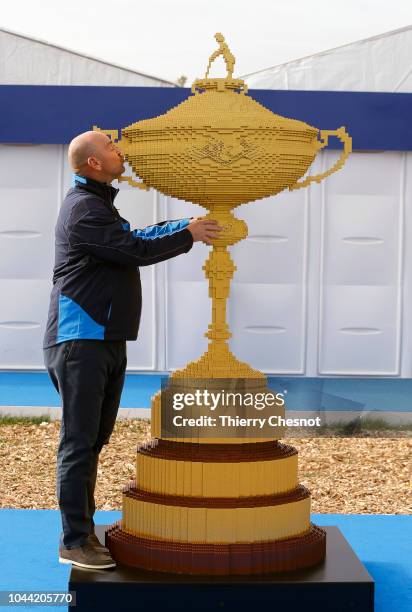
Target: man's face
(110, 158)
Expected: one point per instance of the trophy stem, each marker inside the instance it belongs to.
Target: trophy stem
(218, 361)
(219, 269)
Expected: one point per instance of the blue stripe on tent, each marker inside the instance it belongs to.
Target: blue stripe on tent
(331, 394)
(29, 541)
(54, 114)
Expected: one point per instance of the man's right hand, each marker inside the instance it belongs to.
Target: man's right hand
(204, 230)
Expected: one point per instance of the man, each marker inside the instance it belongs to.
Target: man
(95, 307)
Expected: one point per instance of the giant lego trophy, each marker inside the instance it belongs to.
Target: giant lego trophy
(207, 505)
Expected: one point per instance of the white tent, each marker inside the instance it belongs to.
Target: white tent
(323, 285)
(379, 63)
(29, 61)
(33, 181)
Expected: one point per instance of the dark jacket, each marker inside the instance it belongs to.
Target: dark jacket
(96, 282)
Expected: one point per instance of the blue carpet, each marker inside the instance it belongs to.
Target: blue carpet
(29, 558)
(357, 395)
(36, 389)
(384, 545)
(29, 541)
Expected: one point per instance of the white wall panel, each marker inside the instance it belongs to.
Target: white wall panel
(406, 320)
(268, 303)
(359, 327)
(188, 316)
(268, 324)
(26, 232)
(361, 264)
(323, 283)
(30, 185)
(23, 315)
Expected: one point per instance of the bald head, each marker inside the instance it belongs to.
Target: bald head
(93, 154)
(88, 144)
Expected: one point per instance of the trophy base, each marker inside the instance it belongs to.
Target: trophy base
(340, 583)
(289, 554)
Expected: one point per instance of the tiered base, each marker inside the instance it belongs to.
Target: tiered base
(216, 509)
(340, 583)
(217, 559)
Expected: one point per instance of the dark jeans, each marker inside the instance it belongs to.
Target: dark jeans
(89, 376)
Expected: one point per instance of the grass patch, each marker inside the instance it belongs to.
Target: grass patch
(9, 419)
(366, 424)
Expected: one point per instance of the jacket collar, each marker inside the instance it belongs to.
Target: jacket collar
(103, 190)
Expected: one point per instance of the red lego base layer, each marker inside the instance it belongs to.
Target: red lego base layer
(216, 453)
(254, 501)
(217, 559)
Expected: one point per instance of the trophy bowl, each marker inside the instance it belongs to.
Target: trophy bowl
(220, 148)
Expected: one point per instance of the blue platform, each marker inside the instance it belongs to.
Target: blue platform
(331, 394)
(29, 541)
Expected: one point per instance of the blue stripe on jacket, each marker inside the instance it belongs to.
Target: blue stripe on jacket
(157, 231)
(76, 323)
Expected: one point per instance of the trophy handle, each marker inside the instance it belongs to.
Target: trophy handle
(114, 136)
(344, 137)
(129, 180)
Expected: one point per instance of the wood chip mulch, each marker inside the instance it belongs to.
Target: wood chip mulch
(367, 475)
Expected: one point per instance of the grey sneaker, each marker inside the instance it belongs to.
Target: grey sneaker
(96, 542)
(89, 556)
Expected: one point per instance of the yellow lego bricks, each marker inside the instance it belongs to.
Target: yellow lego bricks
(226, 505)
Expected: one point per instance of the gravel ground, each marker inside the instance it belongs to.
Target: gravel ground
(368, 475)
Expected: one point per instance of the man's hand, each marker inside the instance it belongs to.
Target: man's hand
(204, 230)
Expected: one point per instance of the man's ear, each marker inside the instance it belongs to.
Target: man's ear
(94, 163)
